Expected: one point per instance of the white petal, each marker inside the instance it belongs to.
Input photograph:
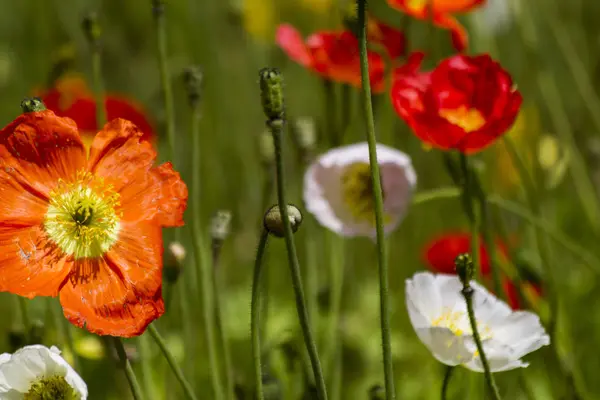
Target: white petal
(499, 356)
(445, 346)
(323, 189)
(24, 367)
(488, 308)
(70, 375)
(522, 331)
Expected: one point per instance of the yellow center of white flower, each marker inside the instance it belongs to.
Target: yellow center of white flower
(82, 219)
(357, 192)
(458, 323)
(53, 387)
(469, 119)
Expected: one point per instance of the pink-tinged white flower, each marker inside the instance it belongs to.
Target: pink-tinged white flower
(439, 316)
(38, 372)
(339, 193)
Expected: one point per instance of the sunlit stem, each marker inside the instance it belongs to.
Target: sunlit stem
(25, 318)
(277, 130)
(255, 315)
(136, 391)
(145, 361)
(446, 382)
(187, 388)
(378, 199)
(467, 293)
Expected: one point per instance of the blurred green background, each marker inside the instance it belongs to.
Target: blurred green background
(548, 46)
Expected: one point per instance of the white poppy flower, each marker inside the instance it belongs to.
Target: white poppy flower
(496, 16)
(338, 190)
(39, 370)
(438, 313)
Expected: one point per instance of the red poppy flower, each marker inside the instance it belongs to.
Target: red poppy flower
(442, 15)
(441, 252)
(512, 294)
(334, 55)
(86, 227)
(70, 97)
(465, 103)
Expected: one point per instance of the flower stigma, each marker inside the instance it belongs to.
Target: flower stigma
(82, 219)
(51, 388)
(357, 192)
(469, 119)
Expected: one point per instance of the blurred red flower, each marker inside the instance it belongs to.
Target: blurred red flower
(442, 15)
(441, 252)
(334, 54)
(70, 97)
(512, 294)
(465, 103)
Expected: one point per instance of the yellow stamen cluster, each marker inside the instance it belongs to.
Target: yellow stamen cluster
(357, 192)
(469, 119)
(82, 217)
(458, 323)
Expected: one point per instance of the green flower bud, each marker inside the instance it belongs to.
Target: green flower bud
(274, 223)
(464, 268)
(33, 104)
(192, 79)
(91, 28)
(271, 93)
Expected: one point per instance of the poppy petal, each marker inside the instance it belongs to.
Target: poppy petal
(460, 38)
(38, 149)
(119, 294)
(31, 265)
(117, 107)
(290, 40)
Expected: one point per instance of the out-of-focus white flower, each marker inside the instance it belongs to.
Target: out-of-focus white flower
(496, 16)
(338, 189)
(39, 372)
(438, 313)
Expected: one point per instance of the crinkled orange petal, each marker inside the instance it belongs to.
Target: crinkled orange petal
(119, 294)
(31, 265)
(19, 206)
(38, 149)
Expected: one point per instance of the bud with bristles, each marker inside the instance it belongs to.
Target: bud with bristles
(32, 105)
(464, 268)
(271, 93)
(274, 223)
(192, 79)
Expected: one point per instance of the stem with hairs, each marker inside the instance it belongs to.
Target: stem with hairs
(255, 315)
(446, 382)
(378, 200)
(187, 388)
(136, 391)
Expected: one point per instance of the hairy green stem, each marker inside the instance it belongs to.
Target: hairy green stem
(276, 129)
(378, 199)
(136, 391)
(332, 346)
(255, 315)
(187, 388)
(467, 293)
(145, 363)
(446, 382)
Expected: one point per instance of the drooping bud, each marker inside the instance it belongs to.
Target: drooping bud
(271, 93)
(464, 268)
(274, 223)
(377, 392)
(174, 258)
(32, 104)
(192, 79)
(91, 28)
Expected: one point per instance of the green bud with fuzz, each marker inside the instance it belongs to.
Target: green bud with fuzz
(274, 223)
(464, 268)
(33, 104)
(271, 93)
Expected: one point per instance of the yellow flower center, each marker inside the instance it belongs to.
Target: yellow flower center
(82, 219)
(458, 323)
(53, 387)
(469, 119)
(357, 192)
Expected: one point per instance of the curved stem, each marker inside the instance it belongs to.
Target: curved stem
(255, 315)
(295, 266)
(467, 293)
(446, 383)
(136, 391)
(378, 200)
(187, 388)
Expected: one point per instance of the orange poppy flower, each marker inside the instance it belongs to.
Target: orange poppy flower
(86, 227)
(335, 55)
(442, 15)
(440, 252)
(464, 104)
(70, 97)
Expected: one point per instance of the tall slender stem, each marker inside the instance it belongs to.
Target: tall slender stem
(255, 315)
(136, 391)
(25, 318)
(143, 349)
(187, 388)
(467, 293)
(158, 10)
(378, 199)
(446, 383)
(98, 87)
(332, 346)
(277, 130)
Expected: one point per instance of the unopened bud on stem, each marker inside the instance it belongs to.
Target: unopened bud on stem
(464, 268)
(274, 223)
(91, 28)
(271, 93)
(32, 105)
(192, 79)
